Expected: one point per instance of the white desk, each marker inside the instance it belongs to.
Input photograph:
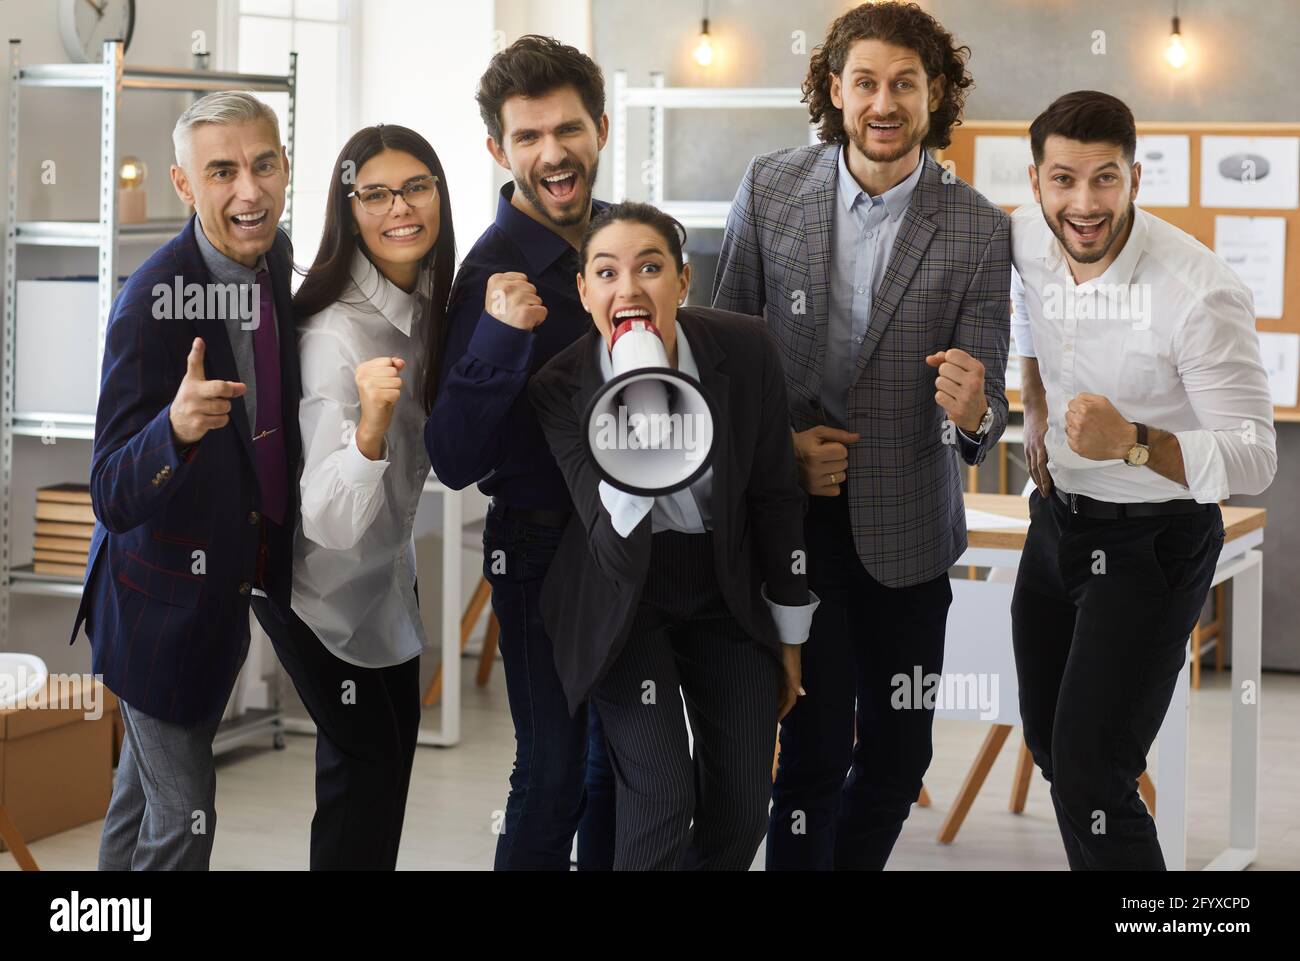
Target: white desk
(979, 642)
(452, 601)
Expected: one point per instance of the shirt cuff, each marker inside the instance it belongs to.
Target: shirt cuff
(358, 470)
(970, 444)
(1207, 476)
(497, 343)
(792, 622)
(625, 510)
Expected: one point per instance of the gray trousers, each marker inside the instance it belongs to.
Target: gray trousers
(163, 813)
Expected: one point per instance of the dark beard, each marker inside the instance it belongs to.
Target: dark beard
(525, 187)
(1120, 227)
(855, 136)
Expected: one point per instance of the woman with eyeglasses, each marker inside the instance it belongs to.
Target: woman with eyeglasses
(370, 317)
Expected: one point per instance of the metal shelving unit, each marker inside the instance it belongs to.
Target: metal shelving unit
(110, 77)
(706, 214)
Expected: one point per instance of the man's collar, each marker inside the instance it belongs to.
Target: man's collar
(541, 245)
(895, 199)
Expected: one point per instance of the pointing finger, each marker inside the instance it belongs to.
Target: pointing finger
(194, 362)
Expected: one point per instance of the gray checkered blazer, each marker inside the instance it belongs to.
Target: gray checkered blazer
(947, 285)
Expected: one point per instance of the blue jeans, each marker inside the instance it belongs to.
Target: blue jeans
(562, 781)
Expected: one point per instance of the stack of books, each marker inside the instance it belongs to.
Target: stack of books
(64, 524)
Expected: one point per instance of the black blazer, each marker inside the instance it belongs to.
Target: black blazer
(591, 593)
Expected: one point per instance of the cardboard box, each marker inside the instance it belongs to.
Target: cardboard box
(56, 766)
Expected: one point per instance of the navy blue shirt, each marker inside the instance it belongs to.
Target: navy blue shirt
(482, 428)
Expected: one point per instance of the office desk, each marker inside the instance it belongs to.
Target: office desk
(979, 642)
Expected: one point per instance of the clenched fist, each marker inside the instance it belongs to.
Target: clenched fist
(512, 300)
(200, 404)
(379, 385)
(959, 388)
(1096, 430)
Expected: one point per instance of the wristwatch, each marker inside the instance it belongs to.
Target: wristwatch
(1139, 453)
(986, 422)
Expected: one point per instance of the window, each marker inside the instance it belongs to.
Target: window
(321, 31)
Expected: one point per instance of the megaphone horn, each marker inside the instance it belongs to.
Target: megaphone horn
(650, 428)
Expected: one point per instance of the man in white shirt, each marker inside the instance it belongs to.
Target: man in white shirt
(1145, 404)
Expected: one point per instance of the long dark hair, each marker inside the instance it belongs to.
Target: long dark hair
(330, 275)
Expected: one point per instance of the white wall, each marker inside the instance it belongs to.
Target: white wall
(429, 87)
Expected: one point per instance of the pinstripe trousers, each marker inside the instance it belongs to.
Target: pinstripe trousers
(684, 639)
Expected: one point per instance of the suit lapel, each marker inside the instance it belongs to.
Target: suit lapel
(818, 201)
(913, 240)
(716, 385)
(587, 374)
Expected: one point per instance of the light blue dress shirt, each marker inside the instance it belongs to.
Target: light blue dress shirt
(862, 235)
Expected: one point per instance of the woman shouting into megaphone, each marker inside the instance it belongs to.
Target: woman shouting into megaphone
(680, 576)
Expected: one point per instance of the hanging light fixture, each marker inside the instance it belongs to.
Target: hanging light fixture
(704, 49)
(1176, 52)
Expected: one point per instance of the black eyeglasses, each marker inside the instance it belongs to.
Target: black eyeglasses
(418, 192)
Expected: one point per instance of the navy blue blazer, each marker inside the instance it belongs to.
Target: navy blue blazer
(175, 548)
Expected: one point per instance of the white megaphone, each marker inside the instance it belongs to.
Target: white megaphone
(650, 428)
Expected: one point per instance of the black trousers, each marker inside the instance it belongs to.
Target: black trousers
(837, 805)
(367, 721)
(685, 638)
(1100, 618)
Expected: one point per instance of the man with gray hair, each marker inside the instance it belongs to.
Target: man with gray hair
(193, 478)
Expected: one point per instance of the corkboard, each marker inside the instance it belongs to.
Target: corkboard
(1195, 219)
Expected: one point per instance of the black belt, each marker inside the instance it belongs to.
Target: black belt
(1105, 510)
(538, 517)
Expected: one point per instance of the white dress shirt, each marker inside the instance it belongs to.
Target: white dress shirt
(687, 511)
(1167, 334)
(354, 558)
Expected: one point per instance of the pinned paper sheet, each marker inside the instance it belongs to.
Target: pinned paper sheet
(1255, 249)
(1250, 172)
(1166, 170)
(1002, 169)
(1281, 356)
(986, 521)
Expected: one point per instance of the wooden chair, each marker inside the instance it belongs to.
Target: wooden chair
(1212, 632)
(979, 771)
(472, 538)
(14, 841)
